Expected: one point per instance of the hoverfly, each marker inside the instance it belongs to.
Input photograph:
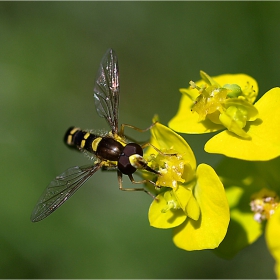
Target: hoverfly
(110, 151)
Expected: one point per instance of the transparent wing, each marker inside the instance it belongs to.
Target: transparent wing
(61, 189)
(107, 89)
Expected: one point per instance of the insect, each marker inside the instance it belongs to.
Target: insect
(110, 151)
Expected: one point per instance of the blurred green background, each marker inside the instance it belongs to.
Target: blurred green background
(49, 55)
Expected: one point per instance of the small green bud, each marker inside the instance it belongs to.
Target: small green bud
(233, 90)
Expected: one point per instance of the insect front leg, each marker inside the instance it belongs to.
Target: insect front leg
(135, 128)
(146, 144)
(156, 149)
(134, 182)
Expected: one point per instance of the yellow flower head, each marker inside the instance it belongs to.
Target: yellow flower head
(191, 199)
(217, 102)
(227, 101)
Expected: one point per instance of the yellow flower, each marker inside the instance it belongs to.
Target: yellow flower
(265, 142)
(214, 103)
(191, 200)
(252, 190)
(252, 130)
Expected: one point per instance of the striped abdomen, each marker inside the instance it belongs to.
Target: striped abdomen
(104, 147)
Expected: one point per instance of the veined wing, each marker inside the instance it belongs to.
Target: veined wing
(61, 189)
(107, 89)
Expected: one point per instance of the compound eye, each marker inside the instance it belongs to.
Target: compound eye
(124, 164)
(132, 149)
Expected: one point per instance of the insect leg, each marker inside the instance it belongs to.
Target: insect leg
(134, 182)
(135, 128)
(156, 149)
(143, 130)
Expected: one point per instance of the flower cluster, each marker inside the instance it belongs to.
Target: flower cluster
(223, 209)
(251, 127)
(191, 199)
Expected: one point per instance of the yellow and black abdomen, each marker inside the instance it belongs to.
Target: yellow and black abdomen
(80, 139)
(106, 148)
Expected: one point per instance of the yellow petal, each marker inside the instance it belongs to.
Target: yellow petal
(169, 219)
(193, 210)
(265, 142)
(273, 240)
(210, 229)
(183, 195)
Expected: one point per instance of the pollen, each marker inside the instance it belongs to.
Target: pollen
(171, 168)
